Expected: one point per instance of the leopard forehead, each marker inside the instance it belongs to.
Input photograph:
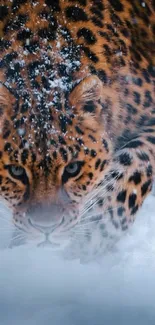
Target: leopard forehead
(29, 141)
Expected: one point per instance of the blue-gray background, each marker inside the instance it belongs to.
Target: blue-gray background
(38, 287)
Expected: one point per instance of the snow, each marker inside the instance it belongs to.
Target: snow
(38, 287)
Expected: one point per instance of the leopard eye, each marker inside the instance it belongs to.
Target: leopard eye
(72, 170)
(16, 171)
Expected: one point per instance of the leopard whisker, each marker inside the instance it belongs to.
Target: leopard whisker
(96, 193)
(99, 213)
(80, 232)
(19, 236)
(88, 223)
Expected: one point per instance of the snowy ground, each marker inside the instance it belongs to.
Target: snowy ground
(38, 288)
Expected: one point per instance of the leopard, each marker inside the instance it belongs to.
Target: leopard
(77, 115)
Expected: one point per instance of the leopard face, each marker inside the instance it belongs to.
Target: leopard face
(47, 182)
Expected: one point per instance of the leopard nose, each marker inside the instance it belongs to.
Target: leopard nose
(45, 229)
(45, 217)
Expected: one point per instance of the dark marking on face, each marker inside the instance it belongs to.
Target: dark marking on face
(76, 14)
(54, 5)
(134, 209)
(115, 19)
(61, 140)
(115, 174)
(93, 153)
(17, 3)
(80, 141)
(97, 22)
(151, 122)
(149, 171)
(146, 187)
(24, 34)
(87, 34)
(114, 222)
(143, 156)
(117, 5)
(151, 70)
(137, 81)
(132, 200)
(63, 123)
(48, 33)
(121, 197)
(6, 134)
(26, 195)
(78, 130)
(125, 159)
(97, 12)
(136, 178)
(54, 154)
(149, 130)
(77, 148)
(64, 154)
(104, 162)
(3, 12)
(148, 99)
(98, 162)
(120, 211)
(110, 188)
(100, 202)
(105, 144)
(146, 75)
(131, 109)
(7, 147)
(151, 139)
(137, 98)
(92, 138)
(89, 106)
(102, 76)
(124, 138)
(15, 24)
(90, 175)
(24, 156)
(134, 144)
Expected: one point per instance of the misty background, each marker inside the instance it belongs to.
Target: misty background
(39, 287)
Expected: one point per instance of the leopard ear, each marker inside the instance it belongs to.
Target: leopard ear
(6, 101)
(6, 98)
(89, 89)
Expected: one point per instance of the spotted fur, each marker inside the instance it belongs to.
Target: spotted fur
(77, 111)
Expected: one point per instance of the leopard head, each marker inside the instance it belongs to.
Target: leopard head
(49, 166)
